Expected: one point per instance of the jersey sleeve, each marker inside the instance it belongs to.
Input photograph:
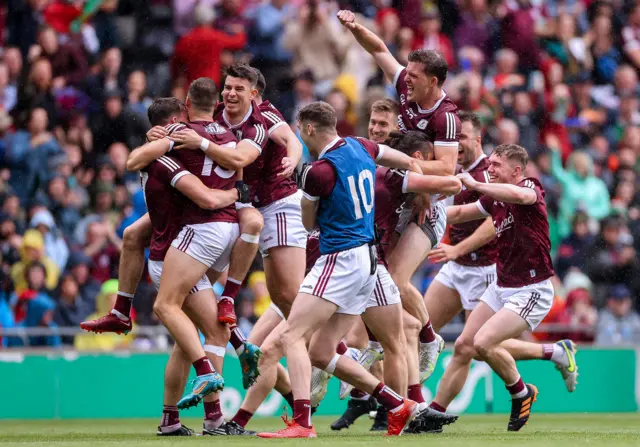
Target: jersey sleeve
(446, 127)
(273, 119)
(256, 134)
(397, 180)
(398, 81)
(535, 185)
(485, 205)
(374, 149)
(318, 180)
(171, 129)
(168, 170)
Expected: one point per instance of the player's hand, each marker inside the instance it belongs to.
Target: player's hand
(443, 253)
(467, 180)
(421, 208)
(287, 167)
(244, 193)
(347, 18)
(156, 133)
(186, 139)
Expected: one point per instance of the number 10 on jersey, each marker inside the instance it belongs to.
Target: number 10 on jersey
(359, 196)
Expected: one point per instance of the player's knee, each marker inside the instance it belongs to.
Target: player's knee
(320, 358)
(133, 238)
(252, 224)
(412, 327)
(464, 348)
(160, 309)
(482, 345)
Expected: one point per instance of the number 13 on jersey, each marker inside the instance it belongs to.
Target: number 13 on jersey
(362, 202)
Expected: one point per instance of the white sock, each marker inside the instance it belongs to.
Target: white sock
(227, 298)
(559, 356)
(375, 345)
(120, 315)
(212, 424)
(398, 408)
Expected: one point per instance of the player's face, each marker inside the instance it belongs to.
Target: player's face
(237, 95)
(380, 126)
(467, 145)
(418, 83)
(501, 170)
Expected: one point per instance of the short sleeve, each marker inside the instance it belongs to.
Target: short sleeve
(273, 119)
(485, 205)
(535, 185)
(171, 129)
(396, 180)
(398, 81)
(318, 180)
(373, 148)
(168, 170)
(446, 126)
(256, 134)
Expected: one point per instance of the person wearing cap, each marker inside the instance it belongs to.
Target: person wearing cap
(618, 324)
(55, 246)
(32, 250)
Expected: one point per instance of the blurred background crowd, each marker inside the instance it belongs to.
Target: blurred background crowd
(559, 77)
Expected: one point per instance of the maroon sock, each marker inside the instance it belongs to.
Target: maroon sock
(436, 406)
(289, 398)
(231, 289)
(170, 416)
(237, 338)
(547, 351)
(212, 410)
(426, 333)
(358, 395)
(123, 304)
(387, 397)
(341, 348)
(516, 388)
(203, 366)
(242, 417)
(415, 393)
(371, 336)
(302, 412)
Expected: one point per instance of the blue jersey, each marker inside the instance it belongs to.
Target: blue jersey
(345, 217)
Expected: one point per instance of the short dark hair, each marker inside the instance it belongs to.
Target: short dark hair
(385, 106)
(162, 109)
(261, 83)
(434, 63)
(513, 152)
(319, 113)
(203, 94)
(471, 118)
(409, 142)
(243, 71)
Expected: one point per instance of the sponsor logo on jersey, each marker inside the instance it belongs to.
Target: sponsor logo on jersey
(422, 124)
(504, 225)
(214, 129)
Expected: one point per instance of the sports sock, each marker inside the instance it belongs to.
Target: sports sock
(555, 353)
(237, 339)
(203, 366)
(341, 348)
(212, 410)
(388, 398)
(170, 417)
(415, 393)
(436, 406)
(231, 289)
(122, 306)
(302, 412)
(517, 389)
(242, 417)
(289, 398)
(426, 333)
(356, 394)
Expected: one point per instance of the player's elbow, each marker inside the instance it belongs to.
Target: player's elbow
(208, 202)
(133, 164)
(454, 186)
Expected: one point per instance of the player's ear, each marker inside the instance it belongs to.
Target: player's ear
(418, 155)
(254, 93)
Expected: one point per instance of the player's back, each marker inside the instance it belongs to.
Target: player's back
(272, 186)
(209, 172)
(488, 254)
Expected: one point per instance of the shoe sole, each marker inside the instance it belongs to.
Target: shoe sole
(194, 400)
(252, 378)
(573, 353)
(97, 331)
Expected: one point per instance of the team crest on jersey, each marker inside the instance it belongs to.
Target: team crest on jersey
(422, 124)
(214, 129)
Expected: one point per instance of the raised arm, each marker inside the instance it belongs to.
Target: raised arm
(464, 213)
(371, 43)
(502, 192)
(142, 156)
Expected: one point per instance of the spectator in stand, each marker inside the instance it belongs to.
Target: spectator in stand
(612, 259)
(71, 309)
(618, 323)
(35, 92)
(68, 62)
(631, 36)
(55, 247)
(115, 124)
(578, 311)
(197, 54)
(79, 266)
(23, 19)
(11, 208)
(431, 37)
(625, 82)
(13, 58)
(60, 201)
(518, 32)
(229, 18)
(118, 154)
(303, 92)
(476, 28)
(108, 77)
(527, 116)
(508, 132)
(8, 92)
(32, 250)
(10, 243)
(573, 250)
(507, 75)
(340, 103)
(137, 100)
(103, 247)
(581, 189)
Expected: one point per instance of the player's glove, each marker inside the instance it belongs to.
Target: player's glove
(244, 195)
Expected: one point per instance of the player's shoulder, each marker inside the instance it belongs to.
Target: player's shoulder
(256, 116)
(530, 182)
(217, 112)
(270, 114)
(175, 127)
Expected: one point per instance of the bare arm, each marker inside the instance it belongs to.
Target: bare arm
(144, 155)
(392, 158)
(284, 136)
(193, 188)
(484, 234)
(444, 164)
(309, 212)
(371, 43)
(503, 192)
(464, 213)
(231, 158)
(433, 184)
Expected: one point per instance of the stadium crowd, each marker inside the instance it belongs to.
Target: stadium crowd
(559, 77)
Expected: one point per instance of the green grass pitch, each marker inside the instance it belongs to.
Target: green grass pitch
(544, 430)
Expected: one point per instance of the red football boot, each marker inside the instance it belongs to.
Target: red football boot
(226, 311)
(108, 323)
(292, 430)
(400, 420)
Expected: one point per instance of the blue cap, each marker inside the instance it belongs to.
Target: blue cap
(619, 291)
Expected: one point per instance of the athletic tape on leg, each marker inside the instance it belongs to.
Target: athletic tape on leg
(250, 238)
(218, 351)
(331, 367)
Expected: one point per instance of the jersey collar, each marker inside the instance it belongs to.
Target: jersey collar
(244, 120)
(437, 104)
(329, 146)
(475, 163)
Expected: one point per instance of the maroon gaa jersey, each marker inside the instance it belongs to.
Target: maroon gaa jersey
(164, 202)
(208, 171)
(488, 254)
(272, 187)
(390, 195)
(313, 250)
(253, 129)
(523, 238)
(440, 123)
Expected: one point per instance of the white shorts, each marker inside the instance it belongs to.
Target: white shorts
(532, 302)
(469, 282)
(385, 292)
(344, 278)
(277, 310)
(209, 243)
(155, 272)
(240, 205)
(283, 224)
(433, 228)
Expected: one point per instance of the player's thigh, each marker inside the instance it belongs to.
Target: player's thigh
(308, 314)
(286, 266)
(443, 304)
(477, 319)
(138, 234)
(504, 325)
(265, 325)
(357, 336)
(250, 219)
(202, 309)
(324, 340)
(180, 274)
(411, 249)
